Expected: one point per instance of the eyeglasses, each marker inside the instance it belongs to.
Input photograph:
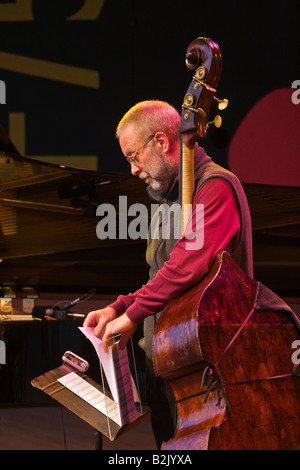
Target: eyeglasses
(132, 158)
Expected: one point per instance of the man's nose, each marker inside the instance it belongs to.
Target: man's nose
(135, 170)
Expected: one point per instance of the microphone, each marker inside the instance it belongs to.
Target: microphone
(79, 299)
(60, 313)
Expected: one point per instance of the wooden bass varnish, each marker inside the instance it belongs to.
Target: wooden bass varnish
(228, 362)
(229, 366)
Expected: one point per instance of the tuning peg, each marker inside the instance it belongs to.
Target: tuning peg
(222, 104)
(217, 122)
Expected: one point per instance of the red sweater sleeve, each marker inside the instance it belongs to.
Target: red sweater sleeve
(189, 263)
(123, 302)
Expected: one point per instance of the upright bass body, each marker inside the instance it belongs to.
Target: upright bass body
(225, 346)
(229, 364)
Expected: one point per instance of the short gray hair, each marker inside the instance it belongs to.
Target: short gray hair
(149, 117)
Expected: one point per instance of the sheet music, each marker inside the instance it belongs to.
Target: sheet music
(116, 368)
(91, 395)
(105, 359)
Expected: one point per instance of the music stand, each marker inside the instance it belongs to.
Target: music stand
(102, 423)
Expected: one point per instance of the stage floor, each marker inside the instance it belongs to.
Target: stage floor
(56, 428)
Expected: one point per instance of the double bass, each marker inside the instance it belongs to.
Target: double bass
(225, 346)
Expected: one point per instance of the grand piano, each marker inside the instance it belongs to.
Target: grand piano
(48, 222)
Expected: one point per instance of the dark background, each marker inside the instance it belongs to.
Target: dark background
(138, 48)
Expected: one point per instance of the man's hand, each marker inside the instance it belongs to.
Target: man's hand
(105, 320)
(121, 325)
(99, 319)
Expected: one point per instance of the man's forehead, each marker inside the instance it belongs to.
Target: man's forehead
(128, 137)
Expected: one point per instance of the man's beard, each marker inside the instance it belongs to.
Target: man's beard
(161, 174)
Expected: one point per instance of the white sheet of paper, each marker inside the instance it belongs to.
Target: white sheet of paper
(116, 368)
(91, 395)
(105, 359)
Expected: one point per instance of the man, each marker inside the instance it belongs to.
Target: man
(149, 139)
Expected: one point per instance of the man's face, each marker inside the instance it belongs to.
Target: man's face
(152, 163)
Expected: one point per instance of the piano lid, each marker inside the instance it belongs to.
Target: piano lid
(48, 208)
(274, 209)
(48, 225)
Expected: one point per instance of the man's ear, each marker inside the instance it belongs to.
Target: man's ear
(163, 140)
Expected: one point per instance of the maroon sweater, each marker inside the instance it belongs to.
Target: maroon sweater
(173, 267)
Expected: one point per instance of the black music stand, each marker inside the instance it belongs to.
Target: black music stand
(102, 424)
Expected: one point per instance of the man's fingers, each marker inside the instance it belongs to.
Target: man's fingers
(98, 330)
(121, 325)
(108, 333)
(98, 319)
(92, 319)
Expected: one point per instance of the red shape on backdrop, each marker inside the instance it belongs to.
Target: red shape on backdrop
(266, 146)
